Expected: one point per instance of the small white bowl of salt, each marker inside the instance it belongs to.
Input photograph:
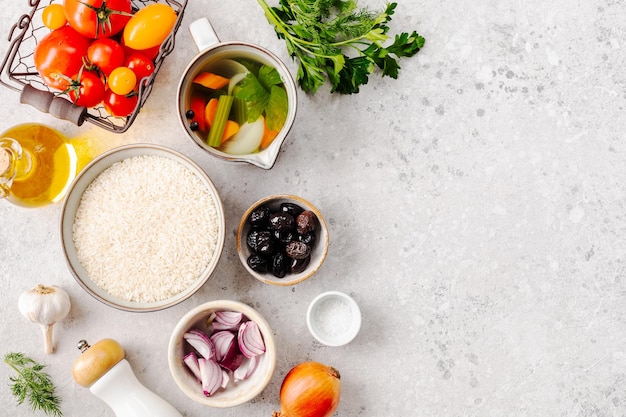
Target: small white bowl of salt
(334, 318)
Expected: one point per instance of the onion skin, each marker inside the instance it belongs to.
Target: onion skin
(310, 389)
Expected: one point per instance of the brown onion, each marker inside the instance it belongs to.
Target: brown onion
(309, 389)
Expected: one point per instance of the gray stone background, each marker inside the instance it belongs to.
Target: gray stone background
(476, 208)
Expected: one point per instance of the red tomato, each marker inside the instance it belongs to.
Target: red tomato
(141, 65)
(98, 18)
(106, 54)
(60, 54)
(87, 89)
(118, 105)
(150, 52)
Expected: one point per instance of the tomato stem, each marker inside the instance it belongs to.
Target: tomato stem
(103, 15)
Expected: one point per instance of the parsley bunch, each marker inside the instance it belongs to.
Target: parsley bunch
(32, 383)
(334, 40)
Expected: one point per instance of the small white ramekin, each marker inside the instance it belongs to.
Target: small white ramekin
(334, 318)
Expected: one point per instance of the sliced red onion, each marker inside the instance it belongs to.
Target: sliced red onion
(211, 376)
(250, 339)
(191, 360)
(233, 358)
(201, 342)
(227, 320)
(225, 379)
(246, 369)
(222, 340)
(217, 359)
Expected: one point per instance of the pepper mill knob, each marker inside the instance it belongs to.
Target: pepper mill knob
(82, 345)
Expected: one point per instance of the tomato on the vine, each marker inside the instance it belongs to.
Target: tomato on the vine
(60, 54)
(119, 105)
(122, 80)
(106, 54)
(86, 89)
(141, 65)
(98, 18)
(53, 16)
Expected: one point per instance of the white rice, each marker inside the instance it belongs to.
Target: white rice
(145, 229)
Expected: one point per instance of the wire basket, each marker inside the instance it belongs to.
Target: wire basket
(18, 70)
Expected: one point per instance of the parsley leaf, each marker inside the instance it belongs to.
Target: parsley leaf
(264, 94)
(335, 41)
(276, 109)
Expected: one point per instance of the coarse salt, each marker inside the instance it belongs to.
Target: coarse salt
(333, 317)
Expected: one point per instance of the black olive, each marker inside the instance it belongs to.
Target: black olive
(308, 238)
(291, 208)
(264, 243)
(194, 126)
(260, 216)
(251, 239)
(284, 236)
(281, 221)
(299, 265)
(305, 222)
(190, 114)
(297, 250)
(257, 263)
(280, 265)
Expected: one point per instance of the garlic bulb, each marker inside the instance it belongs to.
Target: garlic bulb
(45, 305)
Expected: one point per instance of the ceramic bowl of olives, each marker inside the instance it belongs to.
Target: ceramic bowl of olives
(282, 239)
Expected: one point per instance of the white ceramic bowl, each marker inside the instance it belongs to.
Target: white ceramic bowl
(334, 318)
(236, 393)
(319, 249)
(73, 200)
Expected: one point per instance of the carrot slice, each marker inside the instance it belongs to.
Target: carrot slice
(209, 112)
(268, 136)
(210, 80)
(197, 106)
(229, 130)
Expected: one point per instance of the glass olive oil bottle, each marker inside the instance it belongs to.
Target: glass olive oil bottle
(37, 165)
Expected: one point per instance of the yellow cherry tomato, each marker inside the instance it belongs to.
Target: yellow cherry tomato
(122, 80)
(53, 16)
(149, 26)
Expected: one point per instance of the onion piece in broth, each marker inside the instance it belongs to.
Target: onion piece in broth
(247, 139)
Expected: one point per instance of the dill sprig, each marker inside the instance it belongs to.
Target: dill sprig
(32, 383)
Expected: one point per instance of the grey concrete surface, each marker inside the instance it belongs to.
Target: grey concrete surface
(476, 210)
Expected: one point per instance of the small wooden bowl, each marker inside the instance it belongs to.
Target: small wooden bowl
(318, 252)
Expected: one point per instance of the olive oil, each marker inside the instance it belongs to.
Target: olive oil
(37, 165)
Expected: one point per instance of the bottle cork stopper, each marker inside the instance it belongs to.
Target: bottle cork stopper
(96, 360)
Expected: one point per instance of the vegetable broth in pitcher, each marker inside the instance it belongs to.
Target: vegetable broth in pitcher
(237, 105)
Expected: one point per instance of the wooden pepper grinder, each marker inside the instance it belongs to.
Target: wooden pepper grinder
(103, 369)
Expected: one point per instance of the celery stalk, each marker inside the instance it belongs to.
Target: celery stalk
(216, 132)
(239, 111)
